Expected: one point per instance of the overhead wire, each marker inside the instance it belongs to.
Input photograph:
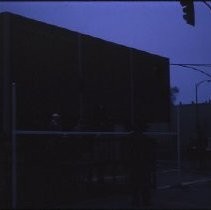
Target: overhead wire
(208, 5)
(190, 66)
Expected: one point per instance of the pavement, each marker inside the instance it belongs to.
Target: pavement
(192, 190)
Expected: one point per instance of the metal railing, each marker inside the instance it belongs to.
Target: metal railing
(71, 161)
(87, 158)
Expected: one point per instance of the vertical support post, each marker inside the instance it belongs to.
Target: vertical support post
(197, 109)
(81, 91)
(14, 163)
(178, 145)
(132, 120)
(6, 71)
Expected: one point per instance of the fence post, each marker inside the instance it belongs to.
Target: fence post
(178, 145)
(14, 166)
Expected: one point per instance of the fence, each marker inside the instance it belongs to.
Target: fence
(54, 167)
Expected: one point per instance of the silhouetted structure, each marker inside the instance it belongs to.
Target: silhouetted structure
(61, 71)
(92, 84)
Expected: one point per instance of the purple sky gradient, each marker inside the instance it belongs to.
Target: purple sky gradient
(155, 27)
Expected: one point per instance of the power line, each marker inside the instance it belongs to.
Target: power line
(193, 68)
(208, 5)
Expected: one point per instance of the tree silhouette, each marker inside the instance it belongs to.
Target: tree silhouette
(174, 92)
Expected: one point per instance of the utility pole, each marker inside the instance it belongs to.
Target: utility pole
(199, 138)
(196, 95)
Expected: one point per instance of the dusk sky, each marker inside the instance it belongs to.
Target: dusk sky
(155, 27)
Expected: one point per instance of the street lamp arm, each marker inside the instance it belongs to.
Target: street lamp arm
(196, 95)
(199, 83)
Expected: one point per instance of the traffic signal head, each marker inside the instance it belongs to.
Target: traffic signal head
(188, 10)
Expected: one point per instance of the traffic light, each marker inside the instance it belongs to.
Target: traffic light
(188, 9)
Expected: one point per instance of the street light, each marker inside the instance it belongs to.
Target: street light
(198, 129)
(196, 89)
(197, 85)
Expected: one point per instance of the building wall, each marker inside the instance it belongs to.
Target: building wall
(1, 75)
(5, 65)
(60, 71)
(151, 87)
(106, 73)
(46, 74)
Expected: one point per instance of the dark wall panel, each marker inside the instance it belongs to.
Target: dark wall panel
(106, 74)
(151, 87)
(1, 73)
(53, 75)
(5, 69)
(45, 68)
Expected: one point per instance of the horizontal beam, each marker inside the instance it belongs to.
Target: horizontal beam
(66, 133)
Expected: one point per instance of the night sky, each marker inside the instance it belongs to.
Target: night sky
(155, 27)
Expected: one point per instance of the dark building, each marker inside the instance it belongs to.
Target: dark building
(61, 71)
(91, 83)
